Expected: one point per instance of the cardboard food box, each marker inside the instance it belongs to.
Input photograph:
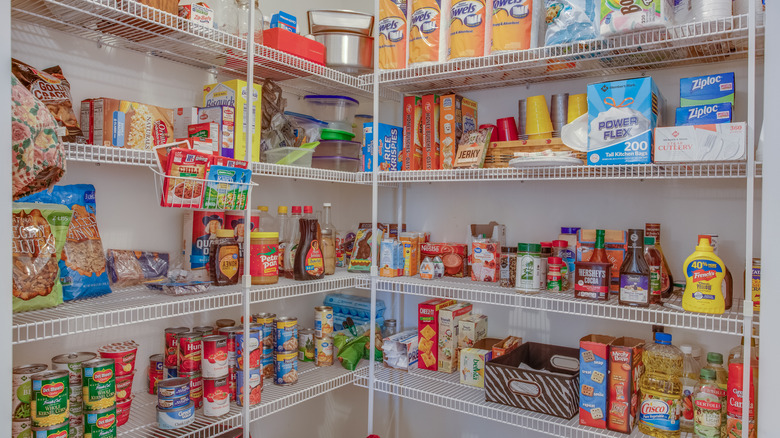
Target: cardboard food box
(225, 117)
(199, 13)
(592, 280)
(535, 377)
(472, 362)
(454, 256)
(703, 114)
(701, 143)
(594, 355)
(207, 132)
(449, 317)
(182, 119)
(411, 156)
(506, 345)
(704, 90)
(411, 246)
(428, 327)
(485, 260)
(234, 93)
(400, 350)
(471, 330)
(615, 242)
(391, 258)
(625, 369)
(131, 125)
(458, 115)
(390, 147)
(430, 132)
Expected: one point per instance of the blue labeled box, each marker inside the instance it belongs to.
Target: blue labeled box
(390, 146)
(703, 114)
(705, 90)
(621, 118)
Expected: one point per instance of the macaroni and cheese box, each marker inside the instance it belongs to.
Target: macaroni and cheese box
(471, 330)
(225, 117)
(428, 328)
(131, 125)
(709, 89)
(430, 132)
(473, 360)
(458, 115)
(625, 369)
(594, 351)
(703, 114)
(390, 147)
(234, 93)
(615, 242)
(411, 155)
(449, 317)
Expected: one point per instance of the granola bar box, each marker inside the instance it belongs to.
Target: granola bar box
(594, 357)
(625, 368)
(428, 332)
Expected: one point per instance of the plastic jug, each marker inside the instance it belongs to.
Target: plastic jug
(704, 273)
(660, 406)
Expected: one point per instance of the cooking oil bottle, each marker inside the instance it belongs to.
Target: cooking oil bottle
(659, 411)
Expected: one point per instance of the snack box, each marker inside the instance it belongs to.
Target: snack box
(471, 330)
(485, 260)
(506, 345)
(430, 132)
(411, 154)
(709, 89)
(594, 355)
(428, 327)
(458, 115)
(701, 143)
(130, 125)
(390, 146)
(453, 255)
(472, 362)
(400, 351)
(625, 369)
(182, 119)
(449, 317)
(615, 243)
(703, 114)
(621, 119)
(234, 93)
(225, 118)
(199, 13)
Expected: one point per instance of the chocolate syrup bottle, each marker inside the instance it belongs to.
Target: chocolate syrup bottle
(634, 273)
(309, 262)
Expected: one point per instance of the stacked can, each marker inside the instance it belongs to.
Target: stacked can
(174, 405)
(323, 336)
(171, 354)
(205, 330)
(230, 335)
(306, 345)
(98, 383)
(225, 323)
(72, 363)
(50, 393)
(252, 349)
(214, 366)
(190, 348)
(285, 350)
(22, 395)
(156, 371)
(266, 320)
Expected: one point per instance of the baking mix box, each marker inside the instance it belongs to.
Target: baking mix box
(625, 369)
(615, 244)
(449, 317)
(471, 330)
(225, 118)
(594, 357)
(472, 362)
(458, 115)
(706, 90)
(390, 146)
(430, 132)
(182, 119)
(697, 143)
(428, 330)
(411, 155)
(703, 114)
(234, 93)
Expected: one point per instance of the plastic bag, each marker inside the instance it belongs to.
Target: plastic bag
(131, 268)
(569, 21)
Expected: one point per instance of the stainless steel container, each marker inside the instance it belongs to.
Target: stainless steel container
(326, 21)
(348, 52)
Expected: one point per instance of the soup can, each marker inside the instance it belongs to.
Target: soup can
(177, 387)
(176, 418)
(221, 323)
(172, 345)
(286, 334)
(204, 330)
(196, 387)
(21, 428)
(216, 396)
(215, 356)
(156, 371)
(99, 384)
(123, 354)
(230, 334)
(253, 348)
(49, 403)
(54, 431)
(100, 424)
(323, 321)
(72, 363)
(306, 345)
(189, 352)
(286, 367)
(22, 389)
(255, 386)
(324, 351)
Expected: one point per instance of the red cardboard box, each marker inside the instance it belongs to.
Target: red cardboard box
(428, 332)
(430, 131)
(294, 44)
(411, 155)
(625, 368)
(594, 355)
(454, 255)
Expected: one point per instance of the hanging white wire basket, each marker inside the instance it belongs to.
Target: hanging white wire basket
(200, 193)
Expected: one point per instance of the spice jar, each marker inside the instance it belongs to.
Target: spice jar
(225, 259)
(528, 267)
(264, 257)
(545, 254)
(554, 276)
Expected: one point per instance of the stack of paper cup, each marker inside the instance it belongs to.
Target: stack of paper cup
(538, 123)
(559, 108)
(578, 105)
(521, 118)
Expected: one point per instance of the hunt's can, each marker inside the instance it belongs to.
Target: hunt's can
(232, 383)
(72, 363)
(255, 386)
(55, 431)
(221, 323)
(215, 356)
(266, 320)
(177, 387)
(306, 345)
(189, 352)
(252, 347)
(324, 351)
(286, 364)
(49, 404)
(195, 380)
(21, 428)
(22, 389)
(216, 396)
(100, 424)
(156, 371)
(323, 321)
(230, 334)
(172, 345)
(176, 418)
(267, 364)
(286, 334)
(204, 330)
(98, 383)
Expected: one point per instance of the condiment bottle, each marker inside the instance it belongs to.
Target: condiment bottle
(560, 249)
(689, 379)
(599, 254)
(654, 262)
(225, 259)
(294, 235)
(569, 234)
(284, 230)
(264, 257)
(709, 403)
(727, 286)
(704, 272)
(634, 273)
(309, 263)
(528, 269)
(544, 255)
(715, 363)
(667, 281)
(737, 387)
(554, 277)
(328, 241)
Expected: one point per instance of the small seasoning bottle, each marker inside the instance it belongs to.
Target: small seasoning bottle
(545, 254)
(264, 261)
(528, 268)
(225, 259)
(554, 277)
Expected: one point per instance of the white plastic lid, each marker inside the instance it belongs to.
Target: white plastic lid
(327, 204)
(686, 349)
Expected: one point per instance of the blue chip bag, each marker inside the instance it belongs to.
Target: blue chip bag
(83, 264)
(569, 21)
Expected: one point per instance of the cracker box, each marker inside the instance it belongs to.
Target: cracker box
(449, 317)
(430, 132)
(471, 330)
(621, 119)
(225, 117)
(615, 242)
(625, 369)
(709, 89)
(428, 327)
(411, 156)
(458, 115)
(701, 143)
(703, 114)
(130, 125)
(234, 93)
(400, 350)
(506, 345)
(594, 355)
(182, 119)
(390, 146)
(472, 362)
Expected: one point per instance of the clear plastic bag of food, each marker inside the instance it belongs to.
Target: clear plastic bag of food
(132, 268)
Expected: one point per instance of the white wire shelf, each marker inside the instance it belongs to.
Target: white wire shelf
(445, 391)
(704, 42)
(88, 153)
(669, 315)
(308, 173)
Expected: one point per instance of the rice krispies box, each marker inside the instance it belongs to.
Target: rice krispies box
(428, 332)
(594, 350)
(625, 368)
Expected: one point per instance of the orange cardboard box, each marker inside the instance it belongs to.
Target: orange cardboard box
(458, 115)
(428, 332)
(411, 155)
(625, 368)
(506, 345)
(430, 132)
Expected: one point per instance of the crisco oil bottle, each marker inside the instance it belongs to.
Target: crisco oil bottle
(661, 389)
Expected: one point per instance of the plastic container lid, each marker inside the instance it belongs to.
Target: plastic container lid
(696, 351)
(560, 244)
(663, 338)
(296, 209)
(224, 233)
(569, 230)
(336, 134)
(522, 247)
(713, 357)
(535, 247)
(707, 373)
(323, 99)
(686, 349)
(326, 204)
(364, 116)
(308, 209)
(264, 235)
(649, 240)
(282, 209)
(305, 118)
(546, 244)
(554, 260)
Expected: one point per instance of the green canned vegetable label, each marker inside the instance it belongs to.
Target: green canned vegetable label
(49, 401)
(100, 424)
(99, 387)
(57, 432)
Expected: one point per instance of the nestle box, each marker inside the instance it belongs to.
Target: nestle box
(471, 330)
(390, 147)
(703, 114)
(400, 350)
(594, 355)
(701, 143)
(183, 118)
(458, 115)
(225, 117)
(449, 317)
(473, 361)
(615, 242)
(625, 369)
(430, 132)
(428, 328)
(703, 90)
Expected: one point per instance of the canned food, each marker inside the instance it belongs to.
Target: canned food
(176, 418)
(216, 396)
(173, 402)
(324, 349)
(189, 352)
(286, 334)
(225, 323)
(253, 345)
(76, 405)
(124, 387)
(123, 354)
(204, 330)
(232, 383)
(286, 366)
(123, 411)
(306, 345)
(172, 345)
(196, 388)
(100, 424)
(267, 364)
(215, 356)
(54, 431)
(22, 388)
(72, 363)
(170, 373)
(323, 321)
(176, 387)
(76, 423)
(255, 386)
(98, 384)
(21, 428)
(266, 320)
(156, 371)
(230, 334)
(49, 404)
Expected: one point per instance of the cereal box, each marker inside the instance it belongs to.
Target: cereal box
(615, 242)
(234, 93)
(411, 155)
(449, 317)
(471, 330)
(131, 125)
(703, 90)
(430, 132)
(506, 345)
(594, 351)
(428, 327)
(390, 147)
(458, 115)
(625, 369)
(225, 118)
(400, 351)
(473, 360)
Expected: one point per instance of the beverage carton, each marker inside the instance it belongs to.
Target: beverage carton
(449, 317)
(458, 115)
(428, 328)
(390, 147)
(615, 242)
(430, 132)
(473, 360)
(411, 158)
(594, 351)
(234, 93)
(709, 89)
(471, 330)
(225, 117)
(699, 143)
(625, 369)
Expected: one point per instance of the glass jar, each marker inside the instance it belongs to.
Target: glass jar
(528, 268)
(243, 21)
(264, 257)
(225, 259)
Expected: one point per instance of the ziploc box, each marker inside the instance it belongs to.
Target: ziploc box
(225, 117)
(428, 328)
(594, 356)
(615, 244)
(449, 317)
(411, 156)
(700, 143)
(430, 132)
(458, 115)
(625, 369)
(704, 90)
(390, 147)
(234, 93)
(621, 119)
(703, 114)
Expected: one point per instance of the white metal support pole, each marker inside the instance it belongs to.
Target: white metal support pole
(250, 133)
(6, 196)
(374, 218)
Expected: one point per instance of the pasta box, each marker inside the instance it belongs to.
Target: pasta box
(472, 362)
(449, 318)
(594, 356)
(625, 369)
(390, 146)
(428, 330)
(536, 377)
(615, 242)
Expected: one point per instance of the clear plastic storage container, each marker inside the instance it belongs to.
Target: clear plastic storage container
(344, 164)
(337, 148)
(289, 156)
(339, 109)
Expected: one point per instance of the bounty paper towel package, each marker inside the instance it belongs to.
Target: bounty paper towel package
(621, 119)
(703, 114)
(705, 90)
(428, 28)
(392, 34)
(721, 142)
(624, 16)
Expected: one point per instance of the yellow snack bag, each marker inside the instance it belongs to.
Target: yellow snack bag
(392, 34)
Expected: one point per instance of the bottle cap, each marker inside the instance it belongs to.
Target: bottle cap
(546, 244)
(687, 349)
(554, 260)
(296, 209)
(560, 244)
(649, 240)
(716, 358)
(264, 235)
(569, 230)
(535, 247)
(327, 204)
(522, 247)
(696, 351)
(224, 233)
(308, 209)
(707, 373)
(663, 338)
(262, 207)
(282, 209)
